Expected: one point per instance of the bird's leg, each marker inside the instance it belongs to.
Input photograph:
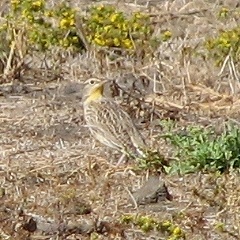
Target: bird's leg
(121, 159)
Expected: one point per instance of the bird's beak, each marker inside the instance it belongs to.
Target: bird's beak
(104, 81)
(101, 83)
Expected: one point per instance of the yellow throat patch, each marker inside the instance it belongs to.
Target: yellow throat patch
(95, 94)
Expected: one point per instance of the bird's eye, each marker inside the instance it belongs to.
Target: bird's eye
(92, 82)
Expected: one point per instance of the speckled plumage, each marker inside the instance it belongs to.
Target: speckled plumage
(108, 122)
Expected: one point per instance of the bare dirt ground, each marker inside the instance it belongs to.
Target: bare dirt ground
(59, 183)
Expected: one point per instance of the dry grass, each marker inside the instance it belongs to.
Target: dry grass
(54, 177)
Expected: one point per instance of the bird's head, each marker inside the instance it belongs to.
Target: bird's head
(93, 90)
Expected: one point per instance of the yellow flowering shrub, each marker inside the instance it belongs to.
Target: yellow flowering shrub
(148, 223)
(44, 27)
(223, 13)
(226, 43)
(166, 35)
(106, 26)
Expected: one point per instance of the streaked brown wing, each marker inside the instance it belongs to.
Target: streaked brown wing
(113, 126)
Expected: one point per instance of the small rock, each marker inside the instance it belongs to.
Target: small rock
(152, 191)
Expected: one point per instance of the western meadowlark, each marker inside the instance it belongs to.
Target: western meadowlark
(108, 122)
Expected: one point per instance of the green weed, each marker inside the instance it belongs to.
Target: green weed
(199, 148)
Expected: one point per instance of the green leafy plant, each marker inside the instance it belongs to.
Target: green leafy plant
(152, 160)
(198, 148)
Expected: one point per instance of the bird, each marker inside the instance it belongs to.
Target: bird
(108, 122)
